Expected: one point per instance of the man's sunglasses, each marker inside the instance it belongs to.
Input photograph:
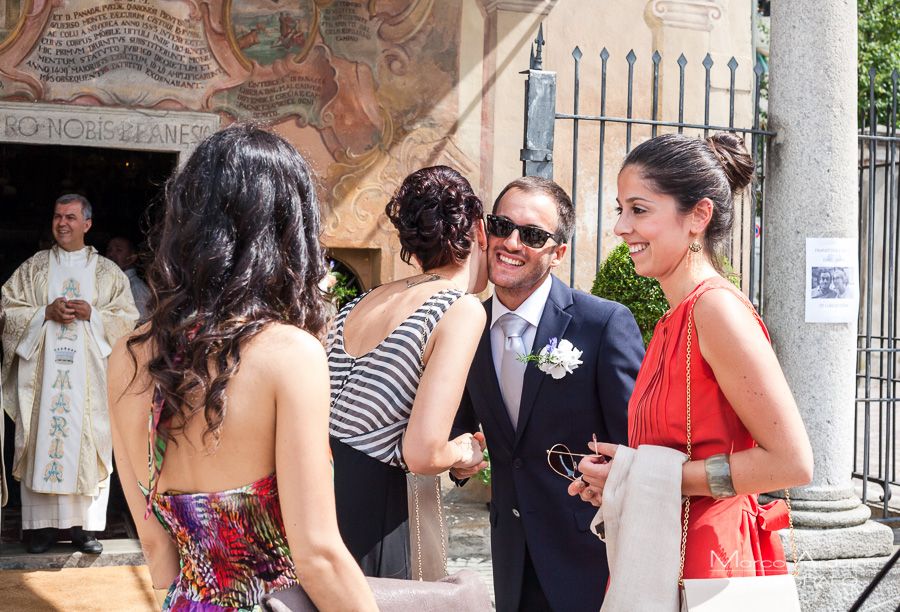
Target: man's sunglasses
(533, 237)
(564, 462)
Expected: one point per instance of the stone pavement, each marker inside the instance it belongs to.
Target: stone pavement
(468, 519)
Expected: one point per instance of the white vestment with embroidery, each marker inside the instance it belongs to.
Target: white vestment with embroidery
(54, 384)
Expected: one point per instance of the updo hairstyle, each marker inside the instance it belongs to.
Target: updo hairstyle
(690, 169)
(434, 210)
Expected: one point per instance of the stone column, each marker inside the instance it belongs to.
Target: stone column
(811, 191)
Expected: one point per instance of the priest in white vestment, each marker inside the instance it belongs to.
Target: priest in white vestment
(65, 309)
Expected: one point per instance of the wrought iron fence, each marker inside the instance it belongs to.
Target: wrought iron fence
(541, 115)
(875, 439)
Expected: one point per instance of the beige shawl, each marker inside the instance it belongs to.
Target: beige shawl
(642, 514)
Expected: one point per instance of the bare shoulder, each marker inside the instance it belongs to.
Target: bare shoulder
(468, 305)
(466, 312)
(126, 373)
(724, 315)
(123, 361)
(280, 345)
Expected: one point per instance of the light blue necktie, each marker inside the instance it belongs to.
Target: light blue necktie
(512, 371)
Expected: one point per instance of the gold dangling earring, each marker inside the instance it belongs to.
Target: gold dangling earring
(692, 261)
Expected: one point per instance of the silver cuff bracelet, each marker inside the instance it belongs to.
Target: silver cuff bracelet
(718, 476)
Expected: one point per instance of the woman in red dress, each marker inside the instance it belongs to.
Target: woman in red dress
(676, 210)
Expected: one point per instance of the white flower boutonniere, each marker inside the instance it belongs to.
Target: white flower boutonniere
(558, 358)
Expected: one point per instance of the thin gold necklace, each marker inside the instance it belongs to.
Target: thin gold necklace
(431, 276)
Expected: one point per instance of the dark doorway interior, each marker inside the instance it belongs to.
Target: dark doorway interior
(119, 184)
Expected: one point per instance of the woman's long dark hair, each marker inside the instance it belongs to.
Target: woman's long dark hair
(237, 248)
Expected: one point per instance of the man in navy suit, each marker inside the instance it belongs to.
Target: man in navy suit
(544, 556)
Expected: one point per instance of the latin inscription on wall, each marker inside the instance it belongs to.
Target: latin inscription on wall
(153, 47)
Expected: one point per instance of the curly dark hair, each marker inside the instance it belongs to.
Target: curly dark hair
(434, 210)
(690, 169)
(237, 248)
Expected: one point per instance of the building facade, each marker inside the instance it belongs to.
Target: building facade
(368, 90)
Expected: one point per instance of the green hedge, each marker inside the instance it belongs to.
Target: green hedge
(616, 280)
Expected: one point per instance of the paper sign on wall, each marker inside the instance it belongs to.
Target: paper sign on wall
(832, 280)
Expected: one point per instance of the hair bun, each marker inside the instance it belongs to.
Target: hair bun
(730, 150)
(434, 210)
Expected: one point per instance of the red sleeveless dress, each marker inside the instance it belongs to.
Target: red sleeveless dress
(728, 537)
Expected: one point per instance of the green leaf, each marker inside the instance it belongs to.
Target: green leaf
(616, 280)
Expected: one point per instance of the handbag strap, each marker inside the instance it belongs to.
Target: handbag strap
(440, 507)
(687, 501)
(437, 481)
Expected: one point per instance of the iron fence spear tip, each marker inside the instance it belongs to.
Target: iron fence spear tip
(733, 64)
(682, 60)
(604, 54)
(708, 61)
(539, 41)
(631, 57)
(576, 53)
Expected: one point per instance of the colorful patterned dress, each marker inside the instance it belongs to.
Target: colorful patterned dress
(231, 545)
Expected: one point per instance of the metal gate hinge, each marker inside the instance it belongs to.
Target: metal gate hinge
(535, 155)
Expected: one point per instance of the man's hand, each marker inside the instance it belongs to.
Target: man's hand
(463, 473)
(60, 311)
(82, 309)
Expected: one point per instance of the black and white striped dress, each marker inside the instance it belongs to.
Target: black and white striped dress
(372, 397)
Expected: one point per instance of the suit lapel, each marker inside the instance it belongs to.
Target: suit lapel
(553, 324)
(486, 377)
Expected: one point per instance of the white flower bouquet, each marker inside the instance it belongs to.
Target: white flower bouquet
(558, 358)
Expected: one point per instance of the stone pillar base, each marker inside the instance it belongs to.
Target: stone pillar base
(869, 540)
(826, 586)
(834, 529)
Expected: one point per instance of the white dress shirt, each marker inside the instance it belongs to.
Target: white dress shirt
(530, 310)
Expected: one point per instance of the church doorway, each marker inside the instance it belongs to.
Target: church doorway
(121, 185)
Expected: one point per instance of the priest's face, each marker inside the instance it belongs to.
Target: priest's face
(69, 226)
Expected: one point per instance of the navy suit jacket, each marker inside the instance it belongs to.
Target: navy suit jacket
(529, 502)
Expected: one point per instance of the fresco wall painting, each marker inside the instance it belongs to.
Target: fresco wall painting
(374, 80)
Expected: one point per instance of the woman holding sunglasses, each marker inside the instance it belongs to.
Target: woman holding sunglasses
(399, 356)
(710, 385)
(232, 377)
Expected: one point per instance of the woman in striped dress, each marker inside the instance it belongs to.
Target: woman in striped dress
(399, 356)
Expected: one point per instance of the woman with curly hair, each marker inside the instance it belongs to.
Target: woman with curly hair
(399, 356)
(232, 377)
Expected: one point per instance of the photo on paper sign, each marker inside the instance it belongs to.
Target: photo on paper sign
(832, 280)
(831, 283)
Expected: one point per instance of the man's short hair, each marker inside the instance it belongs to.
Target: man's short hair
(86, 210)
(565, 225)
(131, 248)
